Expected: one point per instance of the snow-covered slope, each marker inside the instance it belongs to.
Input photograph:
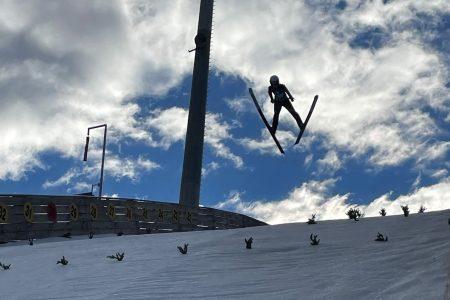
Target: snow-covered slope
(347, 264)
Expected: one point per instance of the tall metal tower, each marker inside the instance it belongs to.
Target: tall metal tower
(193, 151)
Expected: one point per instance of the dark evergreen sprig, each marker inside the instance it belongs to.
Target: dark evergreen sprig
(354, 213)
(91, 235)
(383, 212)
(5, 266)
(67, 235)
(62, 261)
(405, 210)
(248, 243)
(314, 240)
(422, 209)
(118, 256)
(30, 242)
(312, 220)
(381, 238)
(184, 249)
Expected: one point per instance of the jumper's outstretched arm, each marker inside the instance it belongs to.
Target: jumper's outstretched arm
(289, 94)
(270, 96)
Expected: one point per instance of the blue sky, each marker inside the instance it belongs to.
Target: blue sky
(379, 136)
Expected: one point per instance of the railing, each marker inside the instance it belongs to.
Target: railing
(35, 216)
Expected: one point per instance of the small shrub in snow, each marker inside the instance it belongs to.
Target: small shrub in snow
(248, 243)
(314, 240)
(184, 249)
(312, 220)
(120, 233)
(118, 256)
(91, 235)
(354, 213)
(422, 209)
(62, 261)
(381, 238)
(67, 235)
(30, 242)
(405, 210)
(4, 266)
(383, 212)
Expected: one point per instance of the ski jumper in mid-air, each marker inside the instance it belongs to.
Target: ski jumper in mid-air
(280, 96)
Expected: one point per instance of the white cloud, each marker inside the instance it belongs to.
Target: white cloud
(116, 167)
(81, 187)
(66, 179)
(440, 173)
(239, 105)
(81, 61)
(265, 144)
(129, 168)
(372, 101)
(418, 181)
(309, 198)
(234, 198)
(313, 198)
(216, 133)
(163, 31)
(330, 163)
(308, 160)
(210, 167)
(433, 197)
(171, 125)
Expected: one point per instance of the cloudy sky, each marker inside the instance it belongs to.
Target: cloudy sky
(379, 136)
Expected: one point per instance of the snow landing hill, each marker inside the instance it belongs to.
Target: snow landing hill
(347, 264)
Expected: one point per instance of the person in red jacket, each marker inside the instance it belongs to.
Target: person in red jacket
(280, 96)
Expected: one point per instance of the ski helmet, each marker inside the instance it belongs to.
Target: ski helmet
(274, 79)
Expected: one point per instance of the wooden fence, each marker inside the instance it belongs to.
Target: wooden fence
(36, 216)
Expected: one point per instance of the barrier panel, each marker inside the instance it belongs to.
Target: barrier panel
(39, 216)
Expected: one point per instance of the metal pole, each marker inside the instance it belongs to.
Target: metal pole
(103, 164)
(103, 155)
(193, 151)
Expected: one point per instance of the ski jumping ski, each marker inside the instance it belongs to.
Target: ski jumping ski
(265, 120)
(302, 130)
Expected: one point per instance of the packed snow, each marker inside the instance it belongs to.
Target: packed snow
(282, 264)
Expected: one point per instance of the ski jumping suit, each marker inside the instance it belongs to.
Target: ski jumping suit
(279, 96)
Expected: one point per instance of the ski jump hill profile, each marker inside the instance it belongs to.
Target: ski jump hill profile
(348, 262)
